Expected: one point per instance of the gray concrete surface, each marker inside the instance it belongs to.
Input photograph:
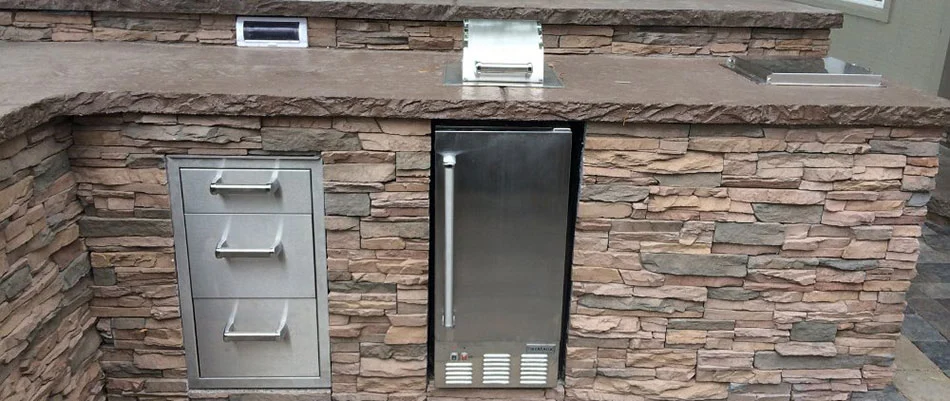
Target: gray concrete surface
(923, 352)
(918, 378)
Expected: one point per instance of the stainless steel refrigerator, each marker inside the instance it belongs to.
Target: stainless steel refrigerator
(501, 229)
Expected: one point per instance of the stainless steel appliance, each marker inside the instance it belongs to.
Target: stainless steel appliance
(251, 257)
(502, 217)
(502, 53)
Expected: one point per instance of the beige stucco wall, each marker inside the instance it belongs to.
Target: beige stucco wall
(910, 48)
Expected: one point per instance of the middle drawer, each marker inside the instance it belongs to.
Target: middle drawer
(251, 255)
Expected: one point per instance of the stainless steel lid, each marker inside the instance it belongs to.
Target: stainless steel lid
(811, 71)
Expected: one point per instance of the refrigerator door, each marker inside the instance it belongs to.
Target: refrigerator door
(501, 236)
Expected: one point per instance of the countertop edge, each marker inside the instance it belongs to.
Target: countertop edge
(27, 116)
(798, 17)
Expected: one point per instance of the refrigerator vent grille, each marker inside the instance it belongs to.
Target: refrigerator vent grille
(534, 368)
(496, 368)
(458, 373)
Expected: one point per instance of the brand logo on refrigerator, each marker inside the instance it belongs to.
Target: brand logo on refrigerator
(545, 348)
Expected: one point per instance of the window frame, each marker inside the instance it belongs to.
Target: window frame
(860, 8)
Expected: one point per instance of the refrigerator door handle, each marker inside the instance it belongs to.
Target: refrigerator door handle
(448, 317)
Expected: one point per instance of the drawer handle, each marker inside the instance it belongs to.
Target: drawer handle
(276, 335)
(222, 251)
(218, 188)
(525, 69)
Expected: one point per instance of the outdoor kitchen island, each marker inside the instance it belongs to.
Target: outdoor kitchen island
(732, 240)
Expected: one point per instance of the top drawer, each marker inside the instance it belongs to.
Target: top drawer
(209, 190)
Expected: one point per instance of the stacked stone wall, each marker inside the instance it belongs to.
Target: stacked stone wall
(744, 262)
(412, 35)
(710, 262)
(376, 202)
(48, 344)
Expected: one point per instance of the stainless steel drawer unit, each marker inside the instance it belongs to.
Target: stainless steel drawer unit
(251, 255)
(502, 215)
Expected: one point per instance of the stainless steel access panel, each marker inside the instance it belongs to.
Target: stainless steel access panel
(502, 207)
(251, 255)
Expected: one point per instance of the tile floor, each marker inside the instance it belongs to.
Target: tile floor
(927, 322)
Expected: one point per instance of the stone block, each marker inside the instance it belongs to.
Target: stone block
(614, 192)
(406, 335)
(735, 144)
(665, 306)
(595, 274)
(733, 293)
(221, 121)
(907, 148)
(388, 142)
(342, 204)
(795, 348)
(661, 358)
(691, 162)
(780, 196)
(809, 331)
(412, 161)
(13, 284)
(847, 218)
(49, 170)
(583, 41)
(917, 183)
(307, 139)
(701, 324)
(75, 271)
(373, 367)
(873, 233)
(726, 130)
(750, 234)
(724, 359)
(695, 265)
(685, 293)
(104, 276)
(41, 17)
(604, 326)
(359, 173)
(95, 227)
(614, 142)
(641, 278)
(158, 360)
(191, 133)
(772, 360)
(776, 262)
(604, 210)
(640, 130)
(402, 229)
(697, 180)
(405, 126)
(849, 265)
(865, 249)
(430, 43)
(685, 337)
(774, 213)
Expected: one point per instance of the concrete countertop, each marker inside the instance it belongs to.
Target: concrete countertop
(721, 13)
(40, 81)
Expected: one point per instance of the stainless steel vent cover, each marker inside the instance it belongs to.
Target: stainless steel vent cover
(502, 53)
(810, 71)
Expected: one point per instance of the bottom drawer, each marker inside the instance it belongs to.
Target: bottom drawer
(253, 337)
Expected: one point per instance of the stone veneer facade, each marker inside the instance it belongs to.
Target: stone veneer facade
(49, 347)
(748, 262)
(413, 35)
